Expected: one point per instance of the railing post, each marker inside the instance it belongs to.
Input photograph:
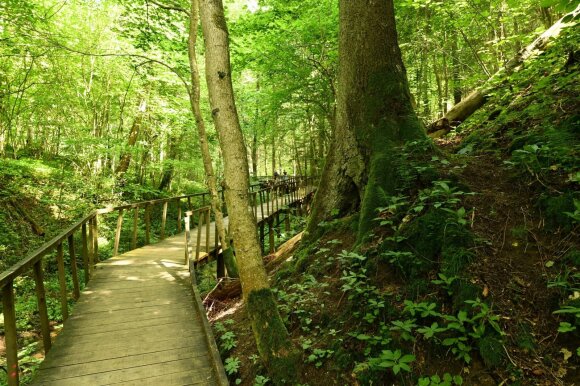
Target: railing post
(198, 246)
(62, 281)
(118, 233)
(86, 262)
(135, 226)
(9, 310)
(287, 220)
(261, 205)
(271, 235)
(147, 224)
(42, 308)
(91, 247)
(178, 215)
(268, 201)
(207, 230)
(96, 238)
(73, 266)
(187, 239)
(163, 220)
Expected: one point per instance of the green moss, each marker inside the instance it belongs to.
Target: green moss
(230, 263)
(491, 351)
(276, 350)
(303, 256)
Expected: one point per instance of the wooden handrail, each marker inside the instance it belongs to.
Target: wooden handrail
(88, 226)
(26, 264)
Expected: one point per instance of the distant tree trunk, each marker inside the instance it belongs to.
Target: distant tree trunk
(255, 154)
(210, 177)
(274, 345)
(455, 69)
(273, 150)
(374, 116)
(125, 159)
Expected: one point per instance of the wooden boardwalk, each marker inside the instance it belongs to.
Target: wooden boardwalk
(140, 321)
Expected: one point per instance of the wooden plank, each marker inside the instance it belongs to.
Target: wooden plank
(106, 320)
(176, 379)
(86, 327)
(13, 372)
(89, 340)
(129, 374)
(113, 350)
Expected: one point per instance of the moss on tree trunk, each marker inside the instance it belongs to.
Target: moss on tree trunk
(279, 357)
(374, 116)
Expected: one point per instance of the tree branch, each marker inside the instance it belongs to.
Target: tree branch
(169, 7)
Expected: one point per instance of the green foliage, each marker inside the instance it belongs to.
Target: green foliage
(446, 380)
(232, 365)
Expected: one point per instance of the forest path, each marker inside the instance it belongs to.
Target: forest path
(140, 321)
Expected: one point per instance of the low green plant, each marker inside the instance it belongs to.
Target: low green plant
(435, 380)
(232, 365)
(260, 380)
(387, 359)
(446, 282)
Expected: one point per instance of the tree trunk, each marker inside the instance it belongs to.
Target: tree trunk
(464, 109)
(210, 177)
(271, 336)
(374, 116)
(125, 159)
(255, 154)
(455, 69)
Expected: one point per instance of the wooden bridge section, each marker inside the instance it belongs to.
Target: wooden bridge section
(139, 319)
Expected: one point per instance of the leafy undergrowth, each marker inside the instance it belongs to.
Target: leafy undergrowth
(471, 275)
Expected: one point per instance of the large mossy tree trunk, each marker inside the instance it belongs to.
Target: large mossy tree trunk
(274, 346)
(211, 179)
(374, 116)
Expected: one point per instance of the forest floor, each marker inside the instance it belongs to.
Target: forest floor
(497, 305)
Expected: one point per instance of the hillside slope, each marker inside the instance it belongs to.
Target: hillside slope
(471, 275)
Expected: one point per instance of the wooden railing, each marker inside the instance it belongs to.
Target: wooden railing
(33, 264)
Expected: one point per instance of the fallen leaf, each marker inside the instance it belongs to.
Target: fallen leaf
(485, 291)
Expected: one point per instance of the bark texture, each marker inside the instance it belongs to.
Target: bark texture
(272, 339)
(211, 180)
(374, 115)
